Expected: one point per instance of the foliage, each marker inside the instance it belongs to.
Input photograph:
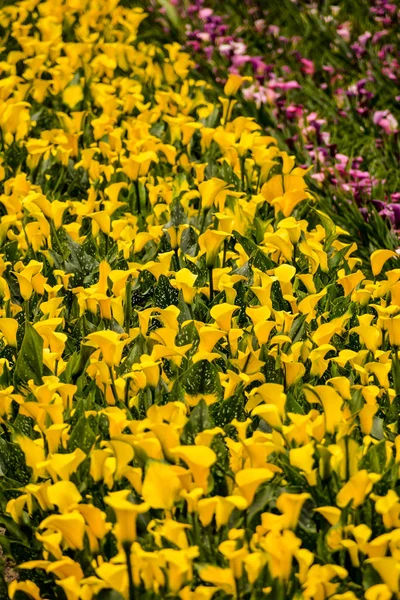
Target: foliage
(199, 379)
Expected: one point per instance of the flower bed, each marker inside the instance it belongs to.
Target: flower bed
(199, 389)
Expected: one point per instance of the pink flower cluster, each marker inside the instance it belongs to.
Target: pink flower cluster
(285, 79)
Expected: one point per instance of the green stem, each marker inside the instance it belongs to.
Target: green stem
(176, 256)
(132, 198)
(210, 278)
(128, 305)
(138, 207)
(224, 253)
(114, 389)
(127, 549)
(242, 173)
(126, 394)
(396, 369)
(26, 309)
(203, 221)
(59, 180)
(201, 230)
(258, 181)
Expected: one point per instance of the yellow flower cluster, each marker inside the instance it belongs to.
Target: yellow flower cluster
(199, 389)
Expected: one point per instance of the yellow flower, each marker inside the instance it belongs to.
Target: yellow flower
(210, 243)
(72, 95)
(281, 548)
(184, 280)
(303, 457)
(287, 203)
(71, 587)
(233, 84)
(389, 571)
(249, 480)
(222, 578)
(209, 190)
(71, 526)
(219, 506)
(200, 593)
(392, 326)
(330, 513)
(26, 587)
(63, 465)
(161, 486)
(357, 489)
(115, 576)
(290, 506)
(380, 591)
(29, 279)
(110, 345)
(222, 314)
(378, 259)
(331, 402)
(389, 507)
(8, 328)
(270, 393)
(270, 414)
(64, 494)
(199, 459)
(16, 506)
(126, 513)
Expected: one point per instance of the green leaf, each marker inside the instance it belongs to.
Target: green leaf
(298, 327)
(13, 530)
(24, 425)
(171, 13)
(377, 428)
(29, 363)
(177, 214)
(293, 406)
(227, 410)
(259, 259)
(164, 293)
(80, 263)
(330, 229)
(82, 436)
(200, 418)
(202, 378)
(109, 595)
(77, 364)
(12, 462)
(375, 459)
(393, 413)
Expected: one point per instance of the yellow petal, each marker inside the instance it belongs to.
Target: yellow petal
(249, 480)
(378, 259)
(161, 486)
(64, 494)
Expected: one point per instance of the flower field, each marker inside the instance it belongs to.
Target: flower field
(199, 308)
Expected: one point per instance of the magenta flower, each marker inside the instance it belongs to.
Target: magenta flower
(385, 119)
(307, 66)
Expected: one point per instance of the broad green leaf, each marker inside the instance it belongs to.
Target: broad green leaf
(200, 417)
(82, 436)
(164, 293)
(29, 363)
(202, 379)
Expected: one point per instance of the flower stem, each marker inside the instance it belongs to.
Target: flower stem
(132, 593)
(210, 278)
(128, 305)
(114, 389)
